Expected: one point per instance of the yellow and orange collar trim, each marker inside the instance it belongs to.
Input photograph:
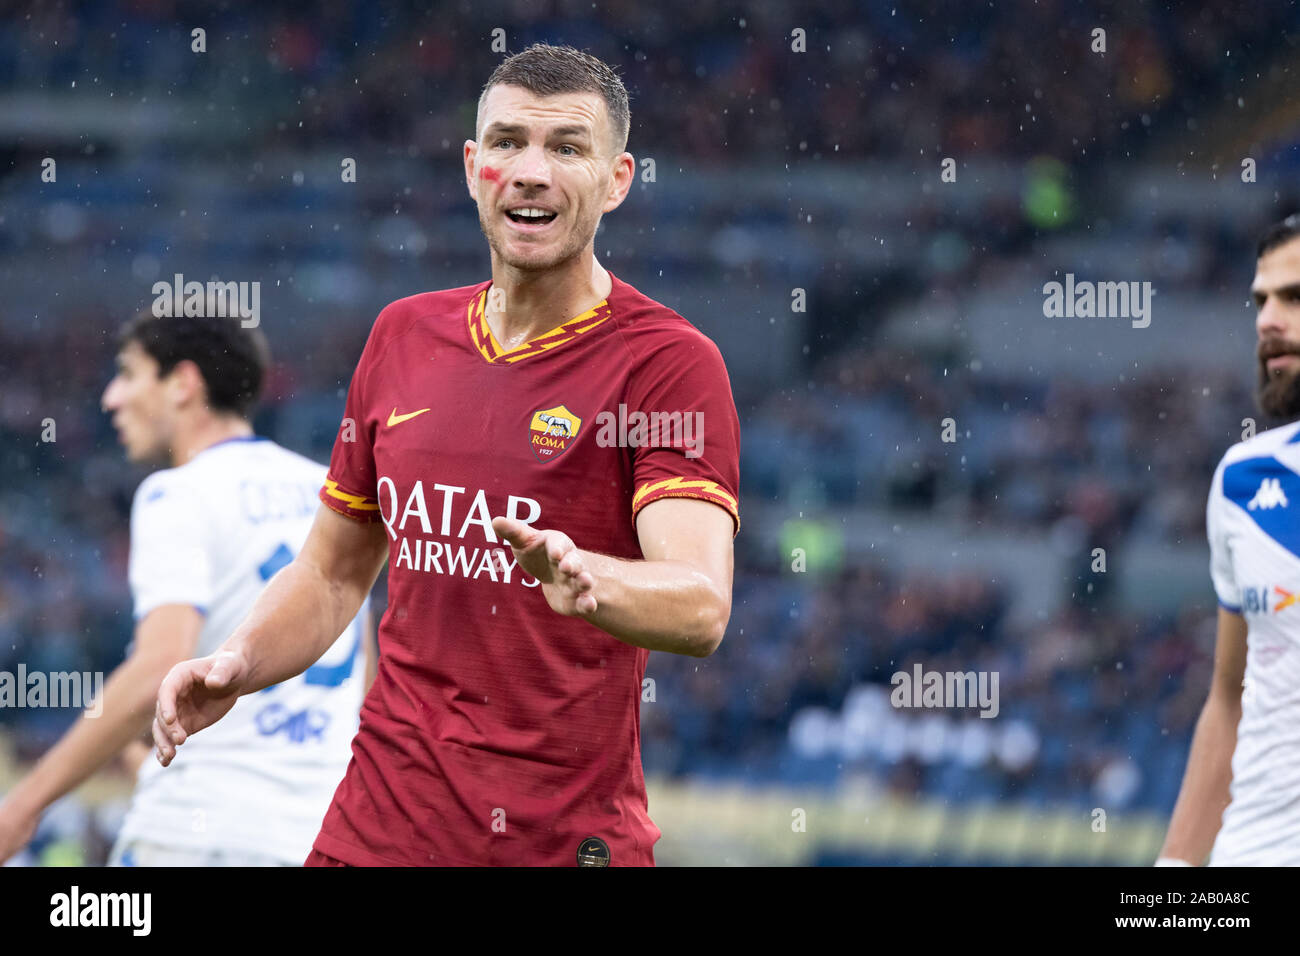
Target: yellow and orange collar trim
(481, 335)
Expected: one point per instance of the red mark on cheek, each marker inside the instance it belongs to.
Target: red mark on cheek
(489, 174)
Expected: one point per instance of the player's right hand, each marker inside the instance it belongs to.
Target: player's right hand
(195, 694)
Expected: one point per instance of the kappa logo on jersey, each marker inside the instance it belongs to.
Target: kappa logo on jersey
(552, 431)
(1269, 495)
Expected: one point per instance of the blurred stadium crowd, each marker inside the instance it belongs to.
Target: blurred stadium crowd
(877, 80)
(1099, 697)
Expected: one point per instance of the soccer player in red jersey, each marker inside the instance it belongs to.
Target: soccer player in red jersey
(549, 462)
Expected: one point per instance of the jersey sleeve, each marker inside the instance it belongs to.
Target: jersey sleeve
(169, 558)
(690, 447)
(349, 485)
(1221, 566)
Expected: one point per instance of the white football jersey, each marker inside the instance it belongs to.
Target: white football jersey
(1253, 521)
(211, 533)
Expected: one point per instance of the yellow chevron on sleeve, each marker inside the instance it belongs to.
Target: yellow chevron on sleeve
(683, 484)
(355, 502)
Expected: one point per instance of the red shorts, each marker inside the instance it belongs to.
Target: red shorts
(317, 858)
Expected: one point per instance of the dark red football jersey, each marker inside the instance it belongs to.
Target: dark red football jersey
(497, 731)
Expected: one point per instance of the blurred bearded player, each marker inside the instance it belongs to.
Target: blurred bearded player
(503, 725)
(1240, 798)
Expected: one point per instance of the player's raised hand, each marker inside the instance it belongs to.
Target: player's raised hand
(195, 694)
(554, 560)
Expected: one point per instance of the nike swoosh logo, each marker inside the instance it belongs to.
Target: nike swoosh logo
(396, 419)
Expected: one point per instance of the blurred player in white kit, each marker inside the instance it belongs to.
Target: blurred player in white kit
(207, 533)
(1240, 799)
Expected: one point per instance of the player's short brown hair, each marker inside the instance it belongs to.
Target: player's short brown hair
(232, 359)
(547, 70)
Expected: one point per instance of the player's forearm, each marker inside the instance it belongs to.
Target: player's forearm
(124, 711)
(659, 605)
(1206, 783)
(295, 619)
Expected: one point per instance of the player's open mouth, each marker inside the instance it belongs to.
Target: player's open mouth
(531, 219)
(1279, 362)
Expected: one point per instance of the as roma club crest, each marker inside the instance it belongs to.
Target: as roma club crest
(552, 431)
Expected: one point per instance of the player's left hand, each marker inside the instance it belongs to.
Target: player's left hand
(554, 560)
